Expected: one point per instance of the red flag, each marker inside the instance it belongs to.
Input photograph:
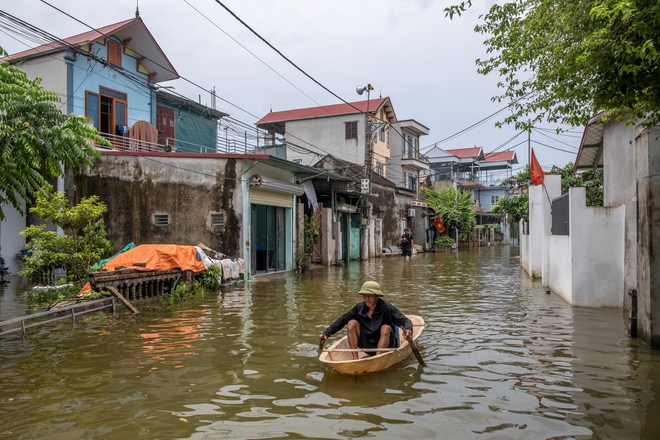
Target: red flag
(438, 225)
(536, 173)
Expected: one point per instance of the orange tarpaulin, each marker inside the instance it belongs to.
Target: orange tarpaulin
(157, 257)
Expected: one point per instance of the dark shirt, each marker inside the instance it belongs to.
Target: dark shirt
(384, 314)
(406, 243)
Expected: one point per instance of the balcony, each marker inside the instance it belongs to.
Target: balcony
(412, 159)
(125, 143)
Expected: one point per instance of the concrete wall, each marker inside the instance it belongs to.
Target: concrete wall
(647, 144)
(329, 237)
(560, 276)
(10, 242)
(188, 189)
(328, 134)
(534, 256)
(597, 245)
(525, 261)
(619, 158)
(52, 71)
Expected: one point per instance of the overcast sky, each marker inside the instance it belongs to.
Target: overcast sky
(407, 49)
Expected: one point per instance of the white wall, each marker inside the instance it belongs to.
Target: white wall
(10, 242)
(597, 236)
(326, 136)
(586, 267)
(560, 273)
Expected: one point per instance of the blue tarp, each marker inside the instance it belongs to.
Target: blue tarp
(101, 263)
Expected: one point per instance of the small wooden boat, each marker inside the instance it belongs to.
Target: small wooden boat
(340, 356)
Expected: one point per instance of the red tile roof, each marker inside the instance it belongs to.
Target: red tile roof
(322, 112)
(500, 156)
(466, 152)
(134, 30)
(77, 40)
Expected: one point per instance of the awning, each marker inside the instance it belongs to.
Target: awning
(275, 185)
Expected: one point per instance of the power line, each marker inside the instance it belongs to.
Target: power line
(283, 56)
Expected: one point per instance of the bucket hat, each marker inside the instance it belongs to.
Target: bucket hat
(371, 288)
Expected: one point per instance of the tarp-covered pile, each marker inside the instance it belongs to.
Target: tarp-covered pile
(148, 257)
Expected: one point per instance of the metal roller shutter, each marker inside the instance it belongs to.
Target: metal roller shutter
(263, 197)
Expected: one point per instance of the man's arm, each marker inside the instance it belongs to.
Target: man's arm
(340, 322)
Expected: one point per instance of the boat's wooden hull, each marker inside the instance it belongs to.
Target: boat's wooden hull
(343, 361)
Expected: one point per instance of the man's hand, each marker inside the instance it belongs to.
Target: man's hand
(322, 338)
(408, 334)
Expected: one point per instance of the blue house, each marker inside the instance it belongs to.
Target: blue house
(112, 76)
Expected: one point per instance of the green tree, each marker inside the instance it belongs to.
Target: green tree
(83, 243)
(564, 61)
(453, 206)
(36, 139)
(591, 180)
(516, 208)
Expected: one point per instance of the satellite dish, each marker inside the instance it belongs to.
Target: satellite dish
(360, 89)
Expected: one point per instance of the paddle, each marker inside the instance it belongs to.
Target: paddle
(416, 353)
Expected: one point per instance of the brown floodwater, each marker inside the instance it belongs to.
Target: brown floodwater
(506, 360)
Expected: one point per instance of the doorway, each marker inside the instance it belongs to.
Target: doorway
(268, 238)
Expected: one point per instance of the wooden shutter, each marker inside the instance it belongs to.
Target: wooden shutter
(115, 52)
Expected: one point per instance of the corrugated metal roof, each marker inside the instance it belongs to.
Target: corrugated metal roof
(590, 154)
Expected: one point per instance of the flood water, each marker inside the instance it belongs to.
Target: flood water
(506, 360)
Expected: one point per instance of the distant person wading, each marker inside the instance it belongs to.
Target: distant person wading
(407, 243)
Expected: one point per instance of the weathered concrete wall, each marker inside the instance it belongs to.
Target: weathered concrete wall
(328, 238)
(188, 189)
(392, 214)
(619, 159)
(648, 236)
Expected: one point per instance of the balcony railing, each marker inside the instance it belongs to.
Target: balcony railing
(124, 143)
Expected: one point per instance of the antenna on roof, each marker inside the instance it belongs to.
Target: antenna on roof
(137, 8)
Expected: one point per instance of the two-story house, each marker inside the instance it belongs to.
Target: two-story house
(368, 134)
(164, 181)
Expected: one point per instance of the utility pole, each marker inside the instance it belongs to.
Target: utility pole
(529, 144)
(366, 182)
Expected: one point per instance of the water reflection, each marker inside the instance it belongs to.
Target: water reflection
(505, 360)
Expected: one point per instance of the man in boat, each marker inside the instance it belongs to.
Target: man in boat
(371, 322)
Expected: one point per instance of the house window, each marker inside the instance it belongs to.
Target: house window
(217, 220)
(378, 169)
(161, 219)
(493, 200)
(411, 181)
(92, 107)
(351, 130)
(381, 135)
(115, 51)
(108, 109)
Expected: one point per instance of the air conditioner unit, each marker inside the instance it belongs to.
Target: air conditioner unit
(411, 212)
